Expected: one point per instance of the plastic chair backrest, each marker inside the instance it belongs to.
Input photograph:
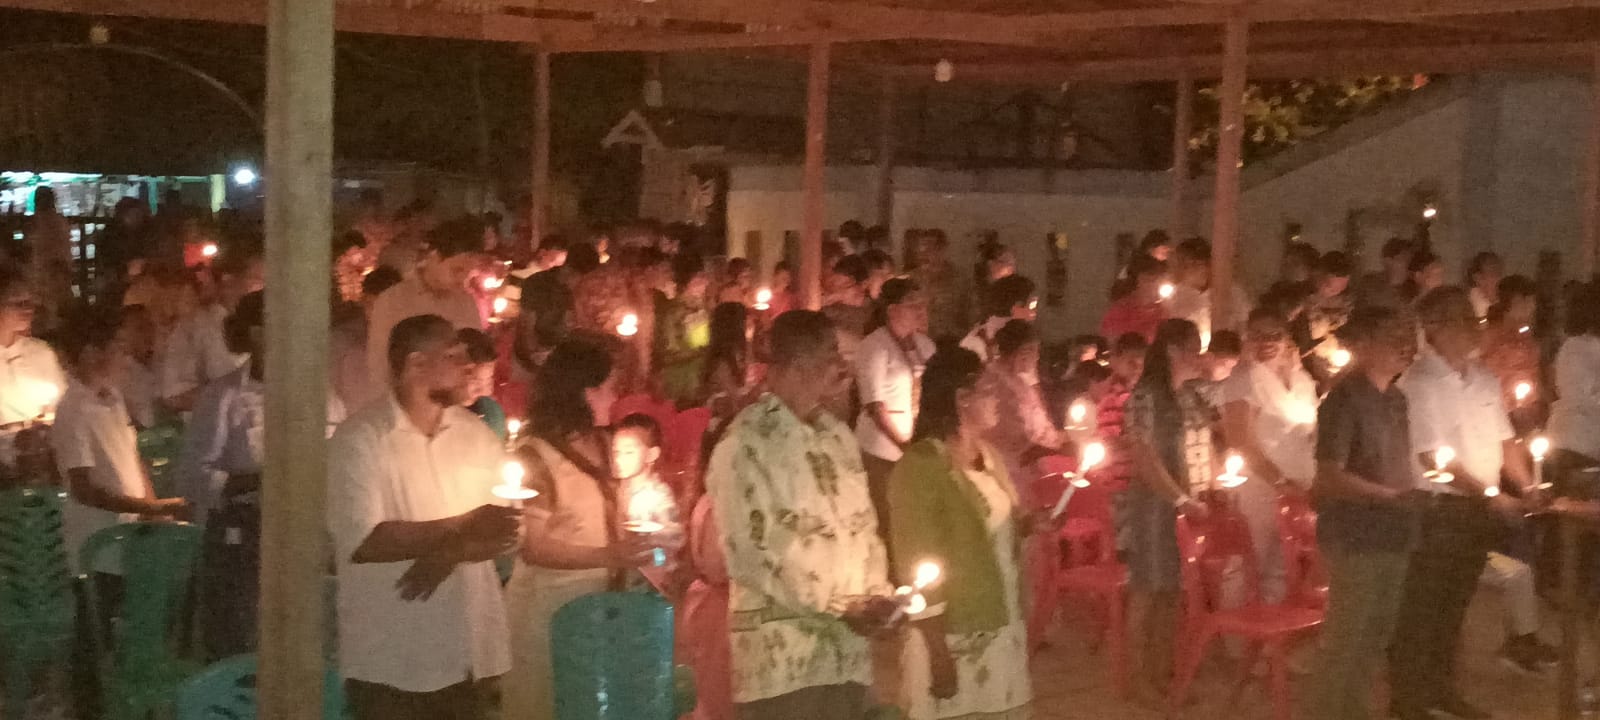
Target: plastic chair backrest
(159, 447)
(227, 691)
(684, 436)
(35, 582)
(1203, 558)
(1297, 529)
(158, 562)
(612, 655)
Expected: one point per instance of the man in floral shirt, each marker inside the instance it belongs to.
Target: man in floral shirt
(808, 573)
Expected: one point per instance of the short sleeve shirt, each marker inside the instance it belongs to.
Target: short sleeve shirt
(887, 373)
(1366, 432)
(30, 379)
(1461, 411)
(93, 432)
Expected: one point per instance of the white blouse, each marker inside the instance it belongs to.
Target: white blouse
(1575, 417)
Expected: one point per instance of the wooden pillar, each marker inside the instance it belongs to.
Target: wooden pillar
(539, 197)
(1225, 199)
(1591, 180)
(814, 180)
(1182, 222)
(885, 180)
(1573, 616)
(299, 196)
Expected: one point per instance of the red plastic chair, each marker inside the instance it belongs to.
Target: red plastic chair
(1267, 629)
(1305, 576)
(659, 410)
(1092, 572)
(684, 436)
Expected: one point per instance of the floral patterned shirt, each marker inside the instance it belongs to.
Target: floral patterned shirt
(801, 540)
(1189, 456)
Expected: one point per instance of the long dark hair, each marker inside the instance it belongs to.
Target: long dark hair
(559, 404)
(949, 371)
(1158, 359)
(728, 341)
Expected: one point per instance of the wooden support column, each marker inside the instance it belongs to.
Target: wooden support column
(1591, 180)
(299, 197)
(1182, 222)
(1225, 199)
(539, 196)
(814, 180)
(885, 179)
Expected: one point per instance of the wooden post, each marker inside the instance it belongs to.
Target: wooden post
(1572, 616)
(539, 197)
(1225, 199)
(1182, 128)
(814, 180)
(1591, 180)
(299, 197)
(885, 184)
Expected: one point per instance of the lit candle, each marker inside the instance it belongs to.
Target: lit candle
(1167, 290)
(643, 507)
(1539, 447)
(763, 299)
(629, 325)
(1429, 212)
(492, 283)
(1077, 413)
(1230, 478)
(511, 488)
(910, 596)
(1524, 330)
(1441, 459)
(1093, 454)
(49, 394)
(1522, 391)
(513, 428)
(500, 305)
(1033, 304)
(208, 250)
(1339, 359)
(1492, 491)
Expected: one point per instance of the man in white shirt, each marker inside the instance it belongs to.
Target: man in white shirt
(97, 449)
(1012, 297)
(415, 526)
(1455, 402)
(1191, 295)
(31, 380)
(1269, 415)
(455, 249)
(888, 377)
(196, 352)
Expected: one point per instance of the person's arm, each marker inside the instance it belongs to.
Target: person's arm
(872, 377)
(1138, 441)
(544, 546)
(1337, 427)
(85, 492)
(1238, 422)
(204, 438)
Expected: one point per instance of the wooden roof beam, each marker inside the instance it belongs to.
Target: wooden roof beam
(777, 15)
(1277, 11)
(661, 42)
(351, 18)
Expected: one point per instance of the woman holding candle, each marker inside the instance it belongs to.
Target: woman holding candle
(1167, 433)
(573, 543)
(950, 503)
(682, 332)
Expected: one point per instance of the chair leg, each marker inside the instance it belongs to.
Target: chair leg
(1116, 642)
(1252, 654)
(1189, 663)
(1278, 666)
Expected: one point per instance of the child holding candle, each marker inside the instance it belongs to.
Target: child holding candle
(646, 502)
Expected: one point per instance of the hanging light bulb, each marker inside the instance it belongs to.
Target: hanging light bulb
(944, 71)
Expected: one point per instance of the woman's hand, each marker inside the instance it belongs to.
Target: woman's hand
(942, 668)
(630, 552)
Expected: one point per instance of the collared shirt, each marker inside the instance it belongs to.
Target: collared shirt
(383, 468)
(30, 380)
(409, 299)
(1366, 432)
(1188, 456)
(981, 339)
(1285, 426)
(224, 437)
(1481, 302)
(1461, 411)
(1194, 305)
(1023, 425)
(801, 539)
(92, 431)
(887, 372)
(196, 352)
(1129, 315)
(1575, 418)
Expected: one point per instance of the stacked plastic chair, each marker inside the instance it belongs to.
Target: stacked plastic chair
(38, 613)
(227, 691)
(159, 446)
(146, 663)
(613, 660)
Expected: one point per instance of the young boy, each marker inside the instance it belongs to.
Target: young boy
(635, 449)
(96, 446)
(480, 392)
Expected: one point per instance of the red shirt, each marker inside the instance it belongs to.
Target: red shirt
(1129, 315)
(1108, 416)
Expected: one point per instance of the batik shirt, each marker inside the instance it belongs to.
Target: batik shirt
(801, 540)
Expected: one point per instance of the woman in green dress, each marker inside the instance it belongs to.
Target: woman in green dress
(966, 655)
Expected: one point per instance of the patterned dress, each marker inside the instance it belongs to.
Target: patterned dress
(1180, 434)
(991, 667)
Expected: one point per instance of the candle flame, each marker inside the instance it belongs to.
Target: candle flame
(1167, 290)
(1539, 447)
(1093, 454)
(1443, 457)
(1491, 491)
(916, 604)
(763, 299)
(928, 573)
(514, 426)
(1340, 358)
(1078, 412)
(208, 250)
(1523, 390)
(1233, 464)
(500, 305)
(492, 283)
(629, 325)
(512, 473)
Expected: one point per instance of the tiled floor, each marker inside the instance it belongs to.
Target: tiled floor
(1070, 683)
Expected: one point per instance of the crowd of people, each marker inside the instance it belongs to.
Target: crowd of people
(864, 521)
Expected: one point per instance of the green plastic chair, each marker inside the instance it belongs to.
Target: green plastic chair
(612, 655)
(38, 613)
(159, 446)
(227, 691)
(147, 663)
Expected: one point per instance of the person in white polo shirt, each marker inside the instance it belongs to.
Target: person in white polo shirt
(31, 380)
(415, 525)
(888, 376)
(1454, 402)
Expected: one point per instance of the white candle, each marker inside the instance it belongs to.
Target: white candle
(763, 299)
(1230, 478)
(910, 596)
(629, 325)
(1093, 454)
(1539, 447)
(208, 250)
(1166, 291)
(1339, 359)
(513, 427)
(1522, 391)
(511, 488)
(1077, 413)
(1441, 459)
(500, 305)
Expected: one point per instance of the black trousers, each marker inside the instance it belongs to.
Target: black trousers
(1457, 534)
(465, 700)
